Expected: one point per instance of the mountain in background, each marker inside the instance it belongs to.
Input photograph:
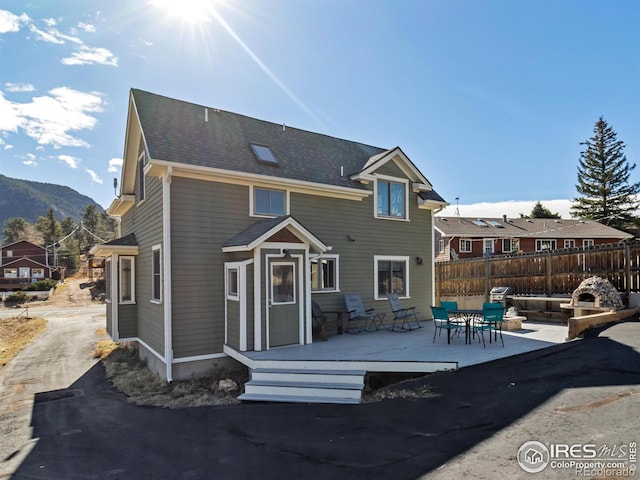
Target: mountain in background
(30, 200)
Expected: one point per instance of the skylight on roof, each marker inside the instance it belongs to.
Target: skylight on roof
(495, 223)
(480, 223)
(264, 154)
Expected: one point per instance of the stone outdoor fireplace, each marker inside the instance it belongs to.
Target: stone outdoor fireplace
(597, 293)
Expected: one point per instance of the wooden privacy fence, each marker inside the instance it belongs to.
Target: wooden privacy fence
(542, 273)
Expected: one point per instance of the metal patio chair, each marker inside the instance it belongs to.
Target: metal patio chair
(441, 321)
(491, 321)
(370, 319)
(406, 316)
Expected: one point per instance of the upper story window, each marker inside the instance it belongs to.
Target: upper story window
(264, 154)
(465, 245)
(391, 198)
(9, 253)
(267, 202)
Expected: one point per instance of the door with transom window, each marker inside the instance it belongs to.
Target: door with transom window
(283, 301)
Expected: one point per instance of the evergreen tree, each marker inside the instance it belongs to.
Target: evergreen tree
(540, 211)
(15, 229)
(603, 180)
(50, 228)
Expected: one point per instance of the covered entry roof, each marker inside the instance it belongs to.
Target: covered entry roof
(262, 230)
(126, 245)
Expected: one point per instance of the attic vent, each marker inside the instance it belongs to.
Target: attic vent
(480, 223)
(264, 154)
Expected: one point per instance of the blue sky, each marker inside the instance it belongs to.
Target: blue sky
(490, 99)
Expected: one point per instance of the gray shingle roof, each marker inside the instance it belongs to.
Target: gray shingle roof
(176, 131)
(127, 241)
(254, 231)
(521, 227)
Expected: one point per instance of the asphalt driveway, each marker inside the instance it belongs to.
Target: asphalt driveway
(582, 391)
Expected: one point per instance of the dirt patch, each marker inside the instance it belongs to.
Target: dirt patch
(76, 291)
(16, 333)
(130, 376)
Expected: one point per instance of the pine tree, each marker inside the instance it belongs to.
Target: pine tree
(603, 180)
(540, 211)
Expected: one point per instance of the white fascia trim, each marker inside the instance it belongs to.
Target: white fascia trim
(105, 251)
(432, 205)
(406, 165)
(166, 265)
(156, 168)
(197, 358)
(306, 235)
(120, 205)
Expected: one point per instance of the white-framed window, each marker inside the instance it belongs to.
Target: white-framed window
(465, 245)
(391, 198)
(487, 246)
(391, 275)
(10, 273)
(507, 245)
(141, 178)
(107, 280)
(232, 284)
(127, 280)
(325, 273)
(545, 244)
(37, 272)
(441, 245)
(283, 281)
(587, 243)
(569, 244)
(156, 273)
(267, 202)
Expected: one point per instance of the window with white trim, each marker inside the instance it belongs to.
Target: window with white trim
(465, 245)
(391, 275)
(127, 280)
(37, 272)
(487, 246)
(156, 273)
(587, 243)
(107, 280)
(268, 202)
(391, 198)
(325, 273)
(232, 284)
(507, 245)
(544, 244)
(10, 273)
(570, 243)
(441, 245)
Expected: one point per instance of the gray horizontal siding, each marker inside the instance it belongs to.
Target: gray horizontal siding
(127, 321)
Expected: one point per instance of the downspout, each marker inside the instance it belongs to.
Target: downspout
(166, 264)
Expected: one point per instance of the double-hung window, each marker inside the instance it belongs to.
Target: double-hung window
(156, 274)
(391, 276)
(324, 274)
(587, 243)
(544, 244)
(391, 199)
(569, 243)
(268, 202)
(465, 245)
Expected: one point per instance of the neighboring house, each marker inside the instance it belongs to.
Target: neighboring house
(459, 237)
(23, 262)
(231, 226)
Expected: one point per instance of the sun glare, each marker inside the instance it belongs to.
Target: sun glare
(192, 11)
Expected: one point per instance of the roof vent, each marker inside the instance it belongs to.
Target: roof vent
(206, 115)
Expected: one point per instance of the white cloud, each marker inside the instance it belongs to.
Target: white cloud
(10, 22)
(30, 163)
(87, 27)
(71, 162)
(512, 209)
(50, 119)
(114, 165)
(50, 22)
(8, 147)
(31, 156)
(19, 87)
(45, 36)
(91, 55)
(94, 176)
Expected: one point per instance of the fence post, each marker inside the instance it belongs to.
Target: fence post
(627, 271)
(487, 277)
(549, 275)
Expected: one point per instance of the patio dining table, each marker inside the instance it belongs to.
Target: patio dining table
(468, 315)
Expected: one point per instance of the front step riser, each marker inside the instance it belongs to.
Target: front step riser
(302, 391)
(306, 377)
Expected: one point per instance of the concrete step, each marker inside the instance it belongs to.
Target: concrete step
(306, 375)
(305, 389)
(255, 397)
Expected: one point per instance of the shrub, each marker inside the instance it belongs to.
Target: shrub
(42, 285)
(17, 297)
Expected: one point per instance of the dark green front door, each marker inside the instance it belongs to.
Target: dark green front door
(283, 302)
